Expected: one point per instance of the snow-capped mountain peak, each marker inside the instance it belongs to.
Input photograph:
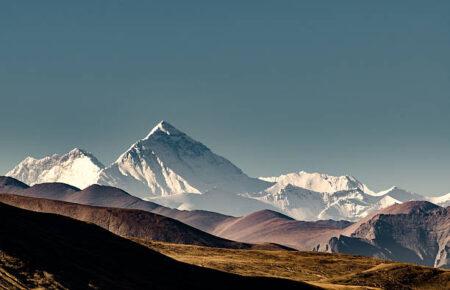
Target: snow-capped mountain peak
(77, 167)
(165, 128)
(175, 170)
(298, 202)
(168, 161)
(400, 194)
(319, 182)
(383, 192)
(443, 200)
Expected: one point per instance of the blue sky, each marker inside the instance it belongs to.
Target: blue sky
(343, 87)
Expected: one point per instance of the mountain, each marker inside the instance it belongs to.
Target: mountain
(170, 168)
(48, 251)
(318, 182)
(415, 232)
(124, 222)
(315, 196)
(267, 226)
(78, 168)
(305, 204)
(443, 200)
(300, 203)
(349, 204)
(11, 185)
(107, 196)
(384, 202)
(400, 194)
(50, 190)
(227, 203)
(168, 162)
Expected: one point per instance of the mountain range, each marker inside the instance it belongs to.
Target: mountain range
(413, 231)
(172, 169)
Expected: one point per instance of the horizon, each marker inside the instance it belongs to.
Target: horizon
(350, 88)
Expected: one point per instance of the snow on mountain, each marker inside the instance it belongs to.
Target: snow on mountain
(168, 162)
(312, 196)
(228, 203)
(300, 203)
(77, 167)
(385, 202)
(369, 208)
(348, 204)
(400, 194)
(319, 182)
(443, 200)
(305, 204)
(171, 168)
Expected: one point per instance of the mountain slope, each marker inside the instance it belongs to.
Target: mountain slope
(305, 204)
(107, 196)
(400, 194)
(415, 231)
(318, 182)
(349, 204)
(124, 222)
(50, 190)
(272, 227)
(331, 271)
(300, 203)
(443, 200)
(168, 162)
(51, 251)
(77, 167)
(11, 185)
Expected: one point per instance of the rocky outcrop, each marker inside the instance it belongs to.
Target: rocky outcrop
(415, 232)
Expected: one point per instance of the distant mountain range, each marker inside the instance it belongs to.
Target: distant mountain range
(414, 231)
(174, 170)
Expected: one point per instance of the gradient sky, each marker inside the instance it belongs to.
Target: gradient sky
(342, 87)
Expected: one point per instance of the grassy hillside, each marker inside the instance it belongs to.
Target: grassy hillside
(332, 271)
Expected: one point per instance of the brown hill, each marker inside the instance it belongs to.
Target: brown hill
(124, 222)
(51, 190)
(98, 195)
(415, 232)
(52, 251)
(261, 227)
(269, 226)
(11, 185)
(201, 219)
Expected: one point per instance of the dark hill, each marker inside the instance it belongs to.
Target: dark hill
(124, 222)
(51, 251)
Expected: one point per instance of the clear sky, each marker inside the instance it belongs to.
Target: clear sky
(342, 87)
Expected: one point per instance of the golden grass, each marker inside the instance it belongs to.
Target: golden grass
(13, 272)
(331, 271)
